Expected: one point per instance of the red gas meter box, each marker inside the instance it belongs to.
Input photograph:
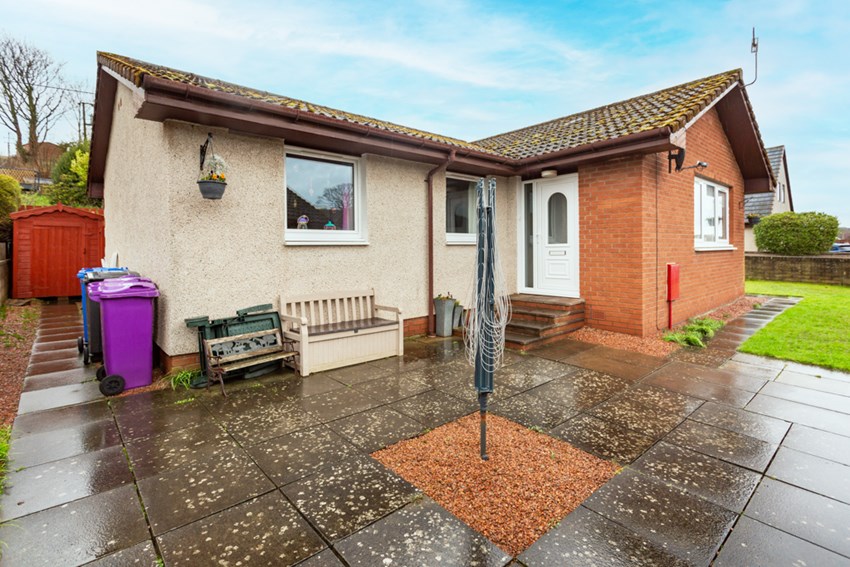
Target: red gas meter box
(672, 291)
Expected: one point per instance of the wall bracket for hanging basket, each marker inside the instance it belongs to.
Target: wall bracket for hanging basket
(212, 189)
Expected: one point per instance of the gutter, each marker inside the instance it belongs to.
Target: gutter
(429, 180)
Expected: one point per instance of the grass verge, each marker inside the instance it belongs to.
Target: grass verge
(812, 332)
(5, 435)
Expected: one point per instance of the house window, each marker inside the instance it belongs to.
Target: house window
(460, 210)
(324, 199)
(711, 214)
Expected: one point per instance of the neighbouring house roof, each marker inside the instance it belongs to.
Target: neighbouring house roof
(761, 204)
(673, 107)
(646, 124)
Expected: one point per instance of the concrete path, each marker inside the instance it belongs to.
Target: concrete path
(729, 459)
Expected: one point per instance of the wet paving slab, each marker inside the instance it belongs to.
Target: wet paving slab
(582, 390)
(560, 350)
(40, 448)
(687, 526)
(293, 456)
(337, 404)
(699, 389)
(723, 444)
(352, 375)
(259, 424)
(803, 414)
(264, 531)
(146, 402)
(391, 388)
(77, 532)
(828, 385)
(422, 533)
(632, 414)
(741, 380)
(809, 516)
(587, 539)
(377, 428)
(533, 411)
(56, 379)
(349, 495)
(326, 558)
(60, 396)
(758, 361)
(819, 443)
(180, 496)
(812, 473)
(755, 543)
(44, 486)
(433, 408)
(531, 372)
(758, 372)
(158, 420)
(61, 418)
(818, 371)
(298, 387)
(704, 357)
(762, 427)
(140, 555)
(711, 479)
(189, 446)
(627, 365)
(603, 439)
(824, 400)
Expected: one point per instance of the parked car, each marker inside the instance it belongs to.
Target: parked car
(840, 249)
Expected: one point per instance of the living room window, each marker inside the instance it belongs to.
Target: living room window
(711, 214)
(460, 210)
(324, 199)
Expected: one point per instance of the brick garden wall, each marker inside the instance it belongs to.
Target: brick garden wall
(832, 269)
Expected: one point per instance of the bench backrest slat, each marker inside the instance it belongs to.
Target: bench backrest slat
(218, 360)
(329, 307)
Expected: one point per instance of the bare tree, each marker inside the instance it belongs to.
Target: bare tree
(32, 95)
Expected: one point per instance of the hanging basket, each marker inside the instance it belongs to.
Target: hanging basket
(212, 189)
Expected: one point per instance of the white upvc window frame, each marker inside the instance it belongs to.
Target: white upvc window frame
(707, 194)
(464, 238)
(313, 237)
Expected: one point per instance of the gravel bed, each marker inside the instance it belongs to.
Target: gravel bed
(529, 484)
(17, 333)
(654, 344)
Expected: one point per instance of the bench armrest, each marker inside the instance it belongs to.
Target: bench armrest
(387, 308)
(297, 320)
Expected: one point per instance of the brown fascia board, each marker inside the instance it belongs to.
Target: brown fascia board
(788, 179)
(738, 122)
(104, 105)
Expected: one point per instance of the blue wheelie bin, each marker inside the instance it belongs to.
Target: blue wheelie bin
(90, 343)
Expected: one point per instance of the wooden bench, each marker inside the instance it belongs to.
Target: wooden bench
(227, 354)
(340, 329)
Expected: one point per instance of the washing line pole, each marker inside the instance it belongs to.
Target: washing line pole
(485, 285)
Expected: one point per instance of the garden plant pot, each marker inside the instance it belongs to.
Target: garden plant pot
(212, 189)
(458, 315)
(444, 310)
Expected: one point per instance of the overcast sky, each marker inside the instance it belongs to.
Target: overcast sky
(474, 69)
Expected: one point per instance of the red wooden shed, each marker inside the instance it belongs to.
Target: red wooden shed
(50, 245)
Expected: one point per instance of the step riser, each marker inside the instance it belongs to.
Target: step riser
(546, 318)
(543, 333)
(553, 306)
(541, 341)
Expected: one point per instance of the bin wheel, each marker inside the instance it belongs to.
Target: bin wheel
(86, 356)
(100, 374)
(112, 385)
(80, 344)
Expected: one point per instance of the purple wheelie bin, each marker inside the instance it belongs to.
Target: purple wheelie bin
(127, 315)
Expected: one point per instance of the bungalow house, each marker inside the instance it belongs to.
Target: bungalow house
(758, 205)
(591, 206)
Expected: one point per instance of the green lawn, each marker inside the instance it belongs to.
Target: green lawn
(815, 331)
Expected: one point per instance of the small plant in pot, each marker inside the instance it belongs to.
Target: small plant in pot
(444, 306)
(753, 219)
(213, 178)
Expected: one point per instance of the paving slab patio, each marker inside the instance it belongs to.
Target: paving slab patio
(279, 473)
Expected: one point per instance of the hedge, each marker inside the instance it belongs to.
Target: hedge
(796, 234)
(10, 200)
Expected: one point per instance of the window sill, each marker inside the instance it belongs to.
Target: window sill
(298, 238)
(459, 239)
(704, 248)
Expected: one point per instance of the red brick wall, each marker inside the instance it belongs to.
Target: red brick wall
(415, 326)
(625, 245)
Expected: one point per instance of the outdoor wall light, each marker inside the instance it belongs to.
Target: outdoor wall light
(549, 173)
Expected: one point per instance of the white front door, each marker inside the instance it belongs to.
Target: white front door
(550, 236)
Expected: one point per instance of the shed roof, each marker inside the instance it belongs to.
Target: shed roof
(95, 214)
